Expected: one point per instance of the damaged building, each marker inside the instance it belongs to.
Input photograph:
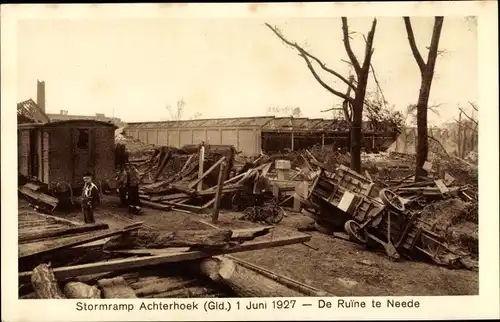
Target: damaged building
(251, 135)
(63, 151)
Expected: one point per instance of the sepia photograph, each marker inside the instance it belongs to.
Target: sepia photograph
(263, 157)
(350, 169)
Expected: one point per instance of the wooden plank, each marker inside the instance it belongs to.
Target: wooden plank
(188, 161)
(182, 188)
(62, 273)
(215, 165)
(155, 205)
(61, 232)
(72, 241)
(32, 186)
(220, 184)
(182, 206)
(200, 167)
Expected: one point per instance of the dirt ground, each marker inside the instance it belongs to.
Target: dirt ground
(337, 266)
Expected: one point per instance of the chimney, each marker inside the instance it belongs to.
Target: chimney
(40, 95)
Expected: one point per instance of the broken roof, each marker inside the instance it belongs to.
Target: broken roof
(262, 122)
(29, 112)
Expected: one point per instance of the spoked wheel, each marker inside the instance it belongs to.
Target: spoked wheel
(391, 199)
(276, 216)
(252, 214)
(354, 231)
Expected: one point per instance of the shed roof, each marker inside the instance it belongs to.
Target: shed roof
(258, 121)
(76, 123)
(29, 112)
(266, 123)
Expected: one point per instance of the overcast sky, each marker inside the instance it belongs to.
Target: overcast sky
(230, 67)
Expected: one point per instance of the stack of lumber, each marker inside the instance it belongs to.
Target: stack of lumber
(62, 259)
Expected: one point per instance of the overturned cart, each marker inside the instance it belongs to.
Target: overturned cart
(374, 216)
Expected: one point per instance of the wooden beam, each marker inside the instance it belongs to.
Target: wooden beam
(220, 184)
(200, 168)
(155, 205)
(61, 232)
(72, 241)
(187, 163)
(62, 273)
(194, 183)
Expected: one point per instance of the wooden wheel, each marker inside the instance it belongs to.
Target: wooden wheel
(391, 199)
(352, 228)
(276, 215)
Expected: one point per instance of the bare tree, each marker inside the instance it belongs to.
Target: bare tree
(353, 106)
(426, 74)
(179, 111)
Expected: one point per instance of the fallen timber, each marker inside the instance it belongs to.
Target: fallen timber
(68, 242)
(241, 280)
(199, 239)
(63, 273)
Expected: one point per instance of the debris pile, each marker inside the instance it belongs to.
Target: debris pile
(434, 219)
(59, 258)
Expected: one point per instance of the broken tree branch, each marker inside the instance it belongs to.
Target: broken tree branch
(347, 45)
(322, 83)
(369, 46)
(413, 45)
(467, 116)
(474, 106)
(309, 55)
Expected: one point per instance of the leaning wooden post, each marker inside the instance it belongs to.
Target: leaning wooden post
(200, 168)
(220, 185)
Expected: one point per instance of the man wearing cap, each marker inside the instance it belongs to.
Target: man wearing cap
(90, 198)
(133, 188)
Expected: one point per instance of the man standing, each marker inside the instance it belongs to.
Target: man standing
(133, 188)
(123, 186)
(90, 198)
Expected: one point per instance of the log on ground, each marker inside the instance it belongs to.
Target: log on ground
(79, 290)
(244, 282)
(184, 238)
(46, 233)
(116, 288)
(45, 284)
(164, 285)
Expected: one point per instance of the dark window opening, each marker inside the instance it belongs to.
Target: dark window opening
(83, 139)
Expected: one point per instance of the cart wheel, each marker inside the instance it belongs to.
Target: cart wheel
(391, 199)
(352, 228)
(249, 212)
(277, 216)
